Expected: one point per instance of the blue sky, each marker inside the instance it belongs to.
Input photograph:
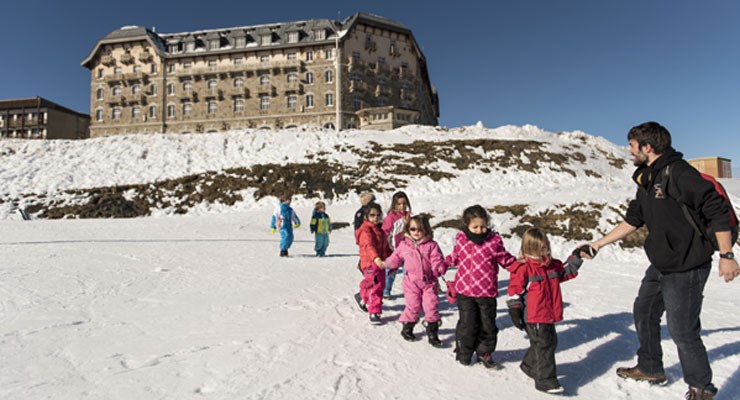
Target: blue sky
(596, 66)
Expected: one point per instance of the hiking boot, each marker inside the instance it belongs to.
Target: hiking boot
(375, 319)
(551, 386)
(283, 253)
(487, 360)
(701, 394)
(360, 302)
(637, 374)
(408, 331)
(433, 334)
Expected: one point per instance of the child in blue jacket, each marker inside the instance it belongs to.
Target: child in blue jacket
(321, 227)
(284, 219)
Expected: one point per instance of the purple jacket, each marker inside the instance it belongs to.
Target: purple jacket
(477, 264)
(422, 261)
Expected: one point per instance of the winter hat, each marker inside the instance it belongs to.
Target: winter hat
(366, 198)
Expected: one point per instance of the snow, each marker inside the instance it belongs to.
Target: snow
(200, 306)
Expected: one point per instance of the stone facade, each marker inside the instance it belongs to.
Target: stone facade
(39, 118)
(365, 72)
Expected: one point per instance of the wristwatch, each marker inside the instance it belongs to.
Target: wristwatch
(729, 255)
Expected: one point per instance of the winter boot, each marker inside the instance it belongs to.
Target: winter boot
(408, 331)
(375, 319)
(432, 334)
(283, 253)
(487, 360)
(637, 374)
(701, 394)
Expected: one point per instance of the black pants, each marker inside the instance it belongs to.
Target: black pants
(539, 362)
(476, 328)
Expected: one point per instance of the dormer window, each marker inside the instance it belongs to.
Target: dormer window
(214, 44)
(293, 37)
(266, 39)
(320, 34)
(241, 42)
(190, 47)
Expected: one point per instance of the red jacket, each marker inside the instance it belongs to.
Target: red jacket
(373, 243)
(539, 283)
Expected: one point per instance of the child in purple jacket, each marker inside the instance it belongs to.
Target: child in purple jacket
(478, 253)
(422, 258)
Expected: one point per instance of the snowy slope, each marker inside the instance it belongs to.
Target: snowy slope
(200, 306)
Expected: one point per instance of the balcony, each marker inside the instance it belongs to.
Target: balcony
(293, 87)
(135, 76)
(356, 86)
(370, 46)
(108, 60)
(145, 57)
(127, 58)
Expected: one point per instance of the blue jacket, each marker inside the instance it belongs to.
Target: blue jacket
(283, 217)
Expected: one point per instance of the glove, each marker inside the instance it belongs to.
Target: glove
(517, 317)
(296, 226)
(273, 230)
(590, 251)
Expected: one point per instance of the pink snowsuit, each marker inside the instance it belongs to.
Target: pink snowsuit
(424, 263)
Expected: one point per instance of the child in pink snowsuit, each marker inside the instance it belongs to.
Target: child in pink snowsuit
(424, 263)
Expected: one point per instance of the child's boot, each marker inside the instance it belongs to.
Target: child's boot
(432, 333)
(408, 331)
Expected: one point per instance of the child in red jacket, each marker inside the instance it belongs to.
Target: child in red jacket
(536, 304)
(373, 250)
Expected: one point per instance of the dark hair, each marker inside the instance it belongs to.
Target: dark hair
(285, 197)
(397, 196)
(423, 221)
(475, 211)
(370, 207)
(652, 133)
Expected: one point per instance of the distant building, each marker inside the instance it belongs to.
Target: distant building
(718, 167)
(365, 72)
(39, 118)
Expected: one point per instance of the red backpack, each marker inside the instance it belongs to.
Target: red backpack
(695, 219)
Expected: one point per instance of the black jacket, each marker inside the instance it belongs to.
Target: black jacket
(672, 244)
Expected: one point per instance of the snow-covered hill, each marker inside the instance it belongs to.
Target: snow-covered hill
(201, 306)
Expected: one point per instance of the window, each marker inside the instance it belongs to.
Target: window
(116, 90)
(292, 78)
(117, 71)
(153, 112)
(320, 34)
(238, 61)
(292, 101)
(171, 68)
(136, 112)
(239, 82)
(187, 65)
(266, 39)
(153, 69)
(329, 54)
(100, 73)
(214, 44)
(329, 99)
(292, 56)
(153, 89)
(309, 78)
(136, 89)
(357, 102)
(381, 61)
(241, 42)
(137, 69)
(329, 76)
(264, 102)
(170, 110)
(212, 63)
(171, 88)
(190, 46)
(238, 105)
(116, 112)
(355, 56)
(212, 84)
(265, 80)
(99, 94)
(98, 115)
(187, 109)
(309, 56)
(264, 59)
(309, 101)
(187, 86)
(293, 37)
(212, 107)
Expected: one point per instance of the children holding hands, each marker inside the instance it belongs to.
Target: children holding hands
(373, 250)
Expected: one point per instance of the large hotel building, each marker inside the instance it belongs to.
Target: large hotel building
(365, 72)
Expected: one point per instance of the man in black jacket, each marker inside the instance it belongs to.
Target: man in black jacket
(680, 258)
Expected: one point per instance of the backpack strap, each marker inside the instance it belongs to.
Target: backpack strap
(671, 190)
